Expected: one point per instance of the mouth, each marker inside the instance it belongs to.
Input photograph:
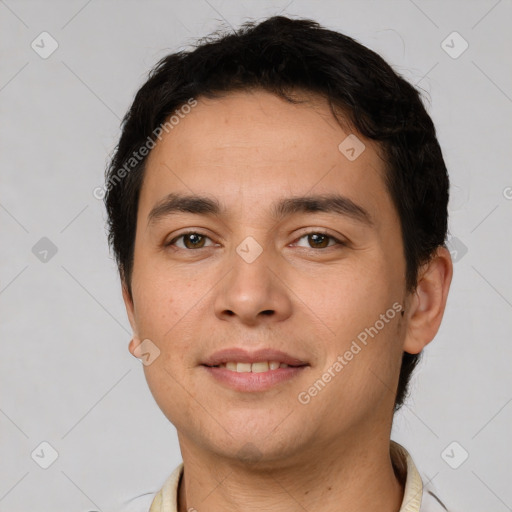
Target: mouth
(256, 367)
(243, 371)
(240, 357)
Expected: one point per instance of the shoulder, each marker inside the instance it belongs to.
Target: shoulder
(418, 496)
(431, 501)
(138, 503)
(159, 501)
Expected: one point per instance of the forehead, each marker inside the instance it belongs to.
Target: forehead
(254, 146)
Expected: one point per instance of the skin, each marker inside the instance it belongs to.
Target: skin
(266, 450)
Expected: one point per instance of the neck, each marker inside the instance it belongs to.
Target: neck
(352, 476)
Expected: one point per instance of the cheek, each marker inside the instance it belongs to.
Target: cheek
(356, 305)
(170, 306)
(349, 297)
(165, 384)
(162, 299)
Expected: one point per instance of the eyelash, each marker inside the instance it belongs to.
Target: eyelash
(317, 232)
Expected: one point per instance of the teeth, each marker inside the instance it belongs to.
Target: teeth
(259, 367)
(243, 367)
(262, 366)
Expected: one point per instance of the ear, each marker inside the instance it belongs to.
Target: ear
(428, 302)
(130, 310)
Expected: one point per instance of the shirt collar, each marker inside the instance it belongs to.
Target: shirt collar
(166, 500)
(413, 490)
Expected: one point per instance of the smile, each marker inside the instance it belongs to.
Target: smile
(259, 367)
(252, 377)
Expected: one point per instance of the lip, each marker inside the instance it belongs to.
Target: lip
(253, 382)
(249, 381)
(243, 356)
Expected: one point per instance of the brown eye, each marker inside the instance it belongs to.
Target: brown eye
(191, 240)
(318, 240)
(194, 239)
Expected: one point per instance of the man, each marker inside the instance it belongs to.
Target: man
(278, 210)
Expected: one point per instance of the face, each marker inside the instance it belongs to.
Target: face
(252, 269)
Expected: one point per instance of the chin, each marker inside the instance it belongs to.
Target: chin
(261, 452)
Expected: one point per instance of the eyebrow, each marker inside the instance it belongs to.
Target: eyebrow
(201, 205)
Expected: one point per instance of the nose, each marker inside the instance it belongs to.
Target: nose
(253, 292)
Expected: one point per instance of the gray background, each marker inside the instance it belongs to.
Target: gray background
(66, 375)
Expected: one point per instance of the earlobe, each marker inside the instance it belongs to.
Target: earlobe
(134, 347)
(428, 302)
